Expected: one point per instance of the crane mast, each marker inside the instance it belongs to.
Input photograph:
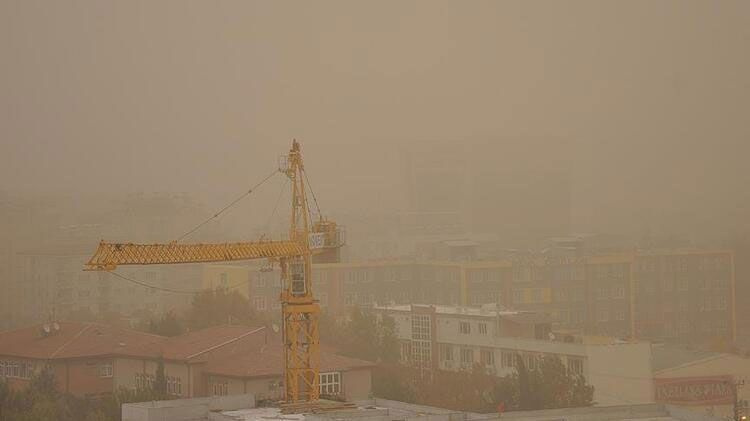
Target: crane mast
(300, 311)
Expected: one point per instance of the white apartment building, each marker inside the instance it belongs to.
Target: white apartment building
(456, 338)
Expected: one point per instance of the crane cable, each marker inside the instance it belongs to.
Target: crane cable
(275, 206)
(234, 202)
(315, 199)
(175, 291)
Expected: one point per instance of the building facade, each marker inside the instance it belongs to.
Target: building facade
(91, 360)
(456, 338)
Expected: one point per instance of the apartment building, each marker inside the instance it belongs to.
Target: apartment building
(684, 294)
(457, 338)
(54, 284)
(92, 359)
(643, 294)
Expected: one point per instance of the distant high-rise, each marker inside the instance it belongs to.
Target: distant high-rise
(520, 197)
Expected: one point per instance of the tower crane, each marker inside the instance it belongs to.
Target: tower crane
(300, 311)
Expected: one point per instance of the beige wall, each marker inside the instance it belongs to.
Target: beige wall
(620, 373)
(356, 384)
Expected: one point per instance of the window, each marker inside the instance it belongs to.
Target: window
(420, 327)
(517, 296)
(602, 293)
(532, 361)
(561, 295)
(683, 284)
(563, 316)
(446, 352)
(365, 299)
(536, 295)
(322, 277)
(259, 303)
(618, 291)
(705, 303)
(667, 284)
(487, 357)
(721, 302)
(350, 298)
(575, 365)
(405, 351)
(464, 328)
(223, 279)
(350, 277)
(323, 298)
(467, 356)
(602, 314)
(421, 353)
(508, 359)
(260, 281)
(330, 383)
(174, 386)
(620, 314)
(19, 370)
(105, 370)
(144, 381)
(482, 328)
(219, 388)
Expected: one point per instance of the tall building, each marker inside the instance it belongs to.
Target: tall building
(450, 190)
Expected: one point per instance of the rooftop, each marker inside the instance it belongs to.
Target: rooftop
(230, 408)
(487, 310)
(670, 356)
(78, 339)
(263, 359)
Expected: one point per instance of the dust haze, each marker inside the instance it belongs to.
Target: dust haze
(514, 127)
(644, 105)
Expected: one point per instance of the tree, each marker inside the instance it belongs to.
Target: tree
(551, 385)
(363, 335)
(219, 307)
(160, 382)
(168, 325)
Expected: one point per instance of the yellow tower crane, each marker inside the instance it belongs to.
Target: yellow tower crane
(300, 311)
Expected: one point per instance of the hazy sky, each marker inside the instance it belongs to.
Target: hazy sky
(646, 102)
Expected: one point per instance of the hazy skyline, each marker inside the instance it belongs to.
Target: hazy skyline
(645, 103)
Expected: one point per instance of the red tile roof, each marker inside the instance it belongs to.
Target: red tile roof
(244, 351)
(78, 340)
(265, 359)
(193, 345)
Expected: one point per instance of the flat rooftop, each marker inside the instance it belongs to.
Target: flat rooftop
(487, 311)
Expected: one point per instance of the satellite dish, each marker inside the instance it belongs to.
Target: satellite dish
(46, 328)
(275, 328)
(56, 326)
